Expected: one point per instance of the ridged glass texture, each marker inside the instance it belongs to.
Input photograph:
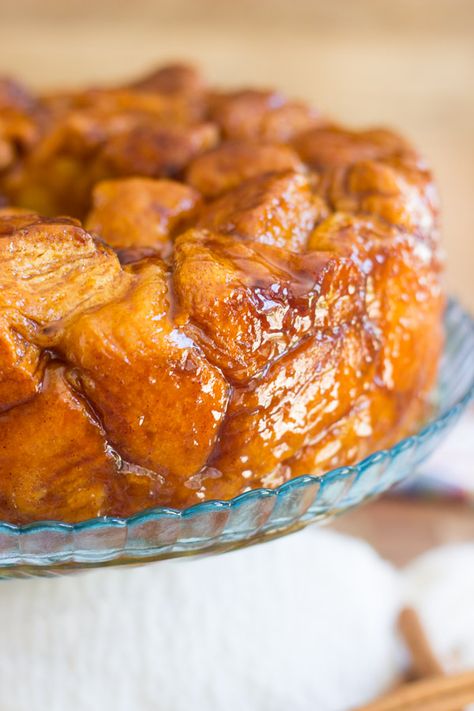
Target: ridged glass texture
(52, 548)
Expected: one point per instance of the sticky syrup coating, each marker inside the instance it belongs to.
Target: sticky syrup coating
(203, 292)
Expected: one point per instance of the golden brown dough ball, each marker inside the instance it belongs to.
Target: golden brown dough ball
(134, 213)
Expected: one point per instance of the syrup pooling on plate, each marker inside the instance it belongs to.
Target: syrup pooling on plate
(254, 295)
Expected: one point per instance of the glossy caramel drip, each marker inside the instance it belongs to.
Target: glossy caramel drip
(255, 295)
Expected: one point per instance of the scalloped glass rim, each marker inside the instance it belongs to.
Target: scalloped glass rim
(51, 546)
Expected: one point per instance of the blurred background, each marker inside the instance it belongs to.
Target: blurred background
(408, 63)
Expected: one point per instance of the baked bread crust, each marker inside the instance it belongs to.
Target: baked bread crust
(255, 294)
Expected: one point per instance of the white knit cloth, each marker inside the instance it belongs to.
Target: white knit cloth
(304, 623)
(440, 585)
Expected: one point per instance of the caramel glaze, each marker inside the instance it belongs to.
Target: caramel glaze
(255, 295)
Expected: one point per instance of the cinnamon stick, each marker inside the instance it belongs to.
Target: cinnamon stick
(433, 691)
(445, 693)
(424, 663)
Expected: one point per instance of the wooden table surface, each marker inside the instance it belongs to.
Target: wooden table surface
(400, 529)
